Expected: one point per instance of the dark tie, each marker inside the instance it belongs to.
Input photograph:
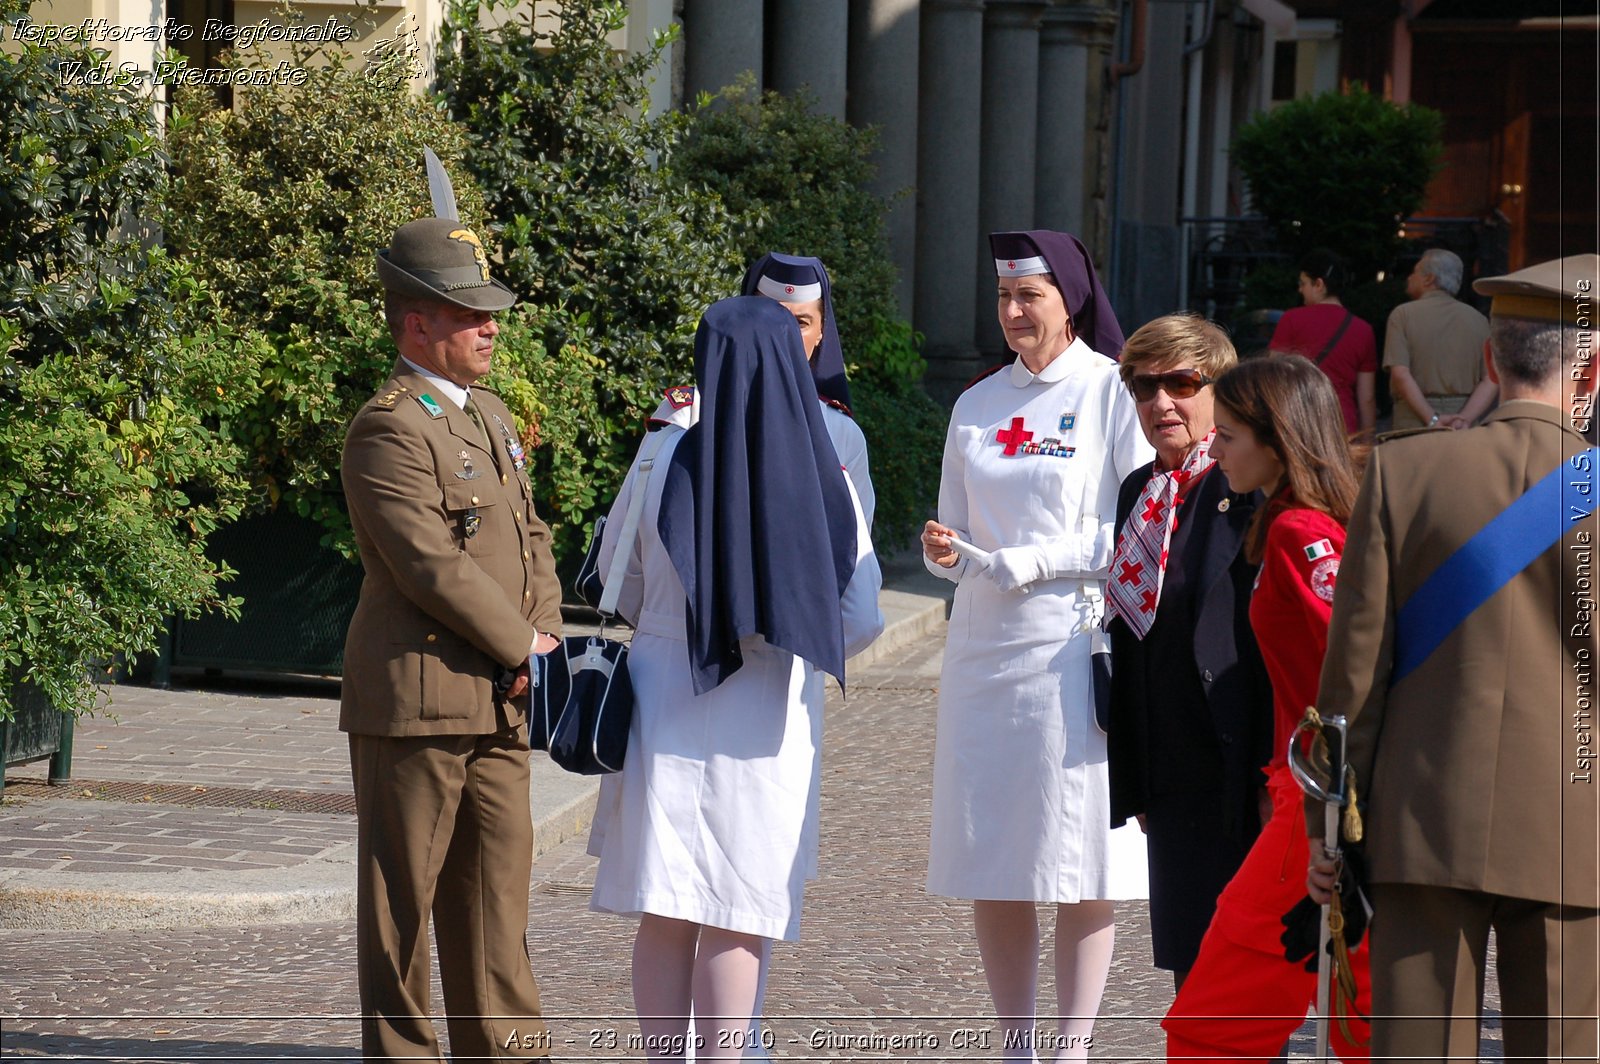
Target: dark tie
(477, 419)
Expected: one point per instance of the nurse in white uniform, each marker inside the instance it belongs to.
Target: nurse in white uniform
(751, 577)
(1032, 463)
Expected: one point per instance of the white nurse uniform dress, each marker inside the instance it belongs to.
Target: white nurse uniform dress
(1021, 810)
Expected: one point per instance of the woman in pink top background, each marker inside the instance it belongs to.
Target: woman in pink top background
(1341, 344)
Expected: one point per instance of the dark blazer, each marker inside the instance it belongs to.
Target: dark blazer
(1226, 661)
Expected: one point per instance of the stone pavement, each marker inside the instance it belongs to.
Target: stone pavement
(880, 963)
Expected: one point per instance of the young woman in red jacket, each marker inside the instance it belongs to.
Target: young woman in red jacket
(1278, 430)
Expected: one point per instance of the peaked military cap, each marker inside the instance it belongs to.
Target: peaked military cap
(1550, 291)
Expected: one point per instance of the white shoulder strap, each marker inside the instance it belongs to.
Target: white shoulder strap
(630, 525)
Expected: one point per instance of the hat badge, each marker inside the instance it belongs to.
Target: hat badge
(789, 289)
(467, 236)
(1011, 265)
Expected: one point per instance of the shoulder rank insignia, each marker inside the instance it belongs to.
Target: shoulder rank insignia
(680, 396)
(430, 404)
(835, 404)
(387, 399)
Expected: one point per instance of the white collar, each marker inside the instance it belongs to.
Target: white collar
(1059, 369)
(452, 391)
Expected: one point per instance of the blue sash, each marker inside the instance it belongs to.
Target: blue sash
(1485, 563)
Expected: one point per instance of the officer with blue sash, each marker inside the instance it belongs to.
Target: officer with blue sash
(1463, 651)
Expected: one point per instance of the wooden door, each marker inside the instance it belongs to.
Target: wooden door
(1520, 116)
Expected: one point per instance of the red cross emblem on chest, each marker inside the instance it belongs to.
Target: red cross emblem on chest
(1013, 437)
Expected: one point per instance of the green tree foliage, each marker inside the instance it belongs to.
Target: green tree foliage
(594, 226)
(798, 183)
(112, 374)
(280, 203)
(1341, 171)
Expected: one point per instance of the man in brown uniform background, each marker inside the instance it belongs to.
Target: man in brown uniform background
(459, 580)
(1433, 348)
(1475, 757)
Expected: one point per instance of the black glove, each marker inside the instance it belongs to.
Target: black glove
(1302, 925)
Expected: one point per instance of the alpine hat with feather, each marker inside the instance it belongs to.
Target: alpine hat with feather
(443, 260)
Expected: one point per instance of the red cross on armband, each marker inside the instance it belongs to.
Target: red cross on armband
(1013, 437)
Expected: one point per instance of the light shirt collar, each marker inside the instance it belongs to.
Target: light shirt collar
(1059, 368)
(450, 389)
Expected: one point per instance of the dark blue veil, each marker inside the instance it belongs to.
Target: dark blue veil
(828, 367)
(1070, 265)
(755, 512)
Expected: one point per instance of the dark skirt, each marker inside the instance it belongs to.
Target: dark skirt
(1192, 857)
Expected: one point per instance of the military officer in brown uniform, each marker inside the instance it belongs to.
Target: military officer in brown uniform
(1463, 651)
(459, 581)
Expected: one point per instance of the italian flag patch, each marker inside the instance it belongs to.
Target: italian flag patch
(1320, 549)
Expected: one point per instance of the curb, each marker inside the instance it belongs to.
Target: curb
(322, 890)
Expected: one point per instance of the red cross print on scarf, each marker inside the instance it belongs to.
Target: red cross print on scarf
(1140, 561)
(1013, 437)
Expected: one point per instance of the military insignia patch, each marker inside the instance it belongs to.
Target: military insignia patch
(680, 396)
(1067, 421)
(430, 404)
(388, 398)
(1323, 576)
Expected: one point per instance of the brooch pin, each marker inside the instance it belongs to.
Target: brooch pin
(1067, 421)
(467, 472)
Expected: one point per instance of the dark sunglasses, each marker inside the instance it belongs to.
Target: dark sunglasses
(1180, 384)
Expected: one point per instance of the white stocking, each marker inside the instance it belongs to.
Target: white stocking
(1085, 934)
(727, 973)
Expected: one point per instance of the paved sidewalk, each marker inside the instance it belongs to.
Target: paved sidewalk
(882, 969)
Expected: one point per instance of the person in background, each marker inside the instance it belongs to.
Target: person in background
(1278, 433)
(1433, 348)
(1340, 344)
(752, 576)
(1021, 811)
(1191, 708)
(1462, 652)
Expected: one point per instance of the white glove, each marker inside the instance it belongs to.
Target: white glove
(1017, 567)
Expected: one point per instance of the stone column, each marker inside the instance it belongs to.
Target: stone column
(722, 39)
(810, 41)
(1009, 154)
(948, 124)
(883, 93)
(1064, 116)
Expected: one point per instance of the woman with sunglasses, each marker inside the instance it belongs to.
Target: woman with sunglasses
(1191, 708)
(1032, 462)
(1278, 431)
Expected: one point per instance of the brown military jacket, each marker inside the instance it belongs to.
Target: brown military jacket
(1477, 768)
(459, 572)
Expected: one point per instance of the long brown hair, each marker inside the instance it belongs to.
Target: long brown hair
(1290, 406)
